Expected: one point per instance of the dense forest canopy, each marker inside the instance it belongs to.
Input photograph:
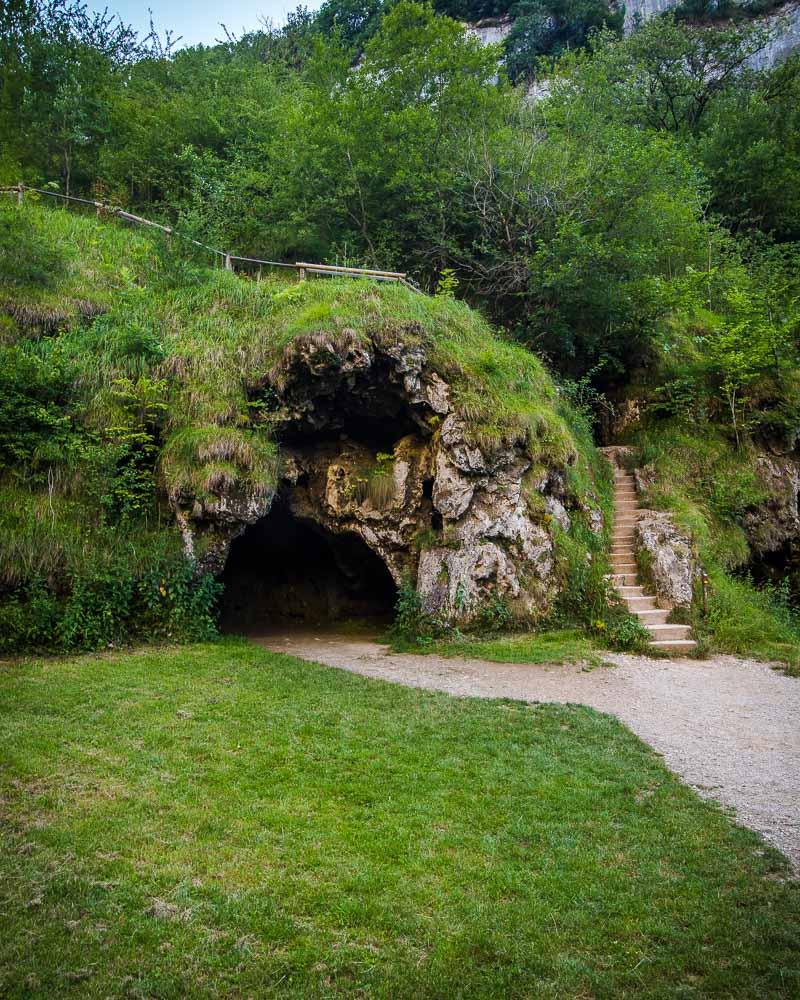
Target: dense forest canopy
(577, 220)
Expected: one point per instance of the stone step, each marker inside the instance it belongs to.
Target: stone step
(622, 550)
(624, 531)
(621, 580)
(625, 495)
(631, 590)
(652, 616)
(668, 632)
(627, 505)
(624, 569)
(643, 603)
(629, 517)
(674, 645)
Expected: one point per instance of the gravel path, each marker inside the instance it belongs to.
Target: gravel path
(729, 727)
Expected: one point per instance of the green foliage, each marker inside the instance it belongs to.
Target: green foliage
(111, 604)
(33, 417)
(41, 264)
(447, 284)
(551, 27)
(413, 625)
(493, 616)
(742, 619)
(585, 594)
(711, 487)
(624, 632)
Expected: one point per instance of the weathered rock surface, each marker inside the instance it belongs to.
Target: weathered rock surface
(209, 525)
(373, 446)
(784, 23)
(671, 561)
(776, 522)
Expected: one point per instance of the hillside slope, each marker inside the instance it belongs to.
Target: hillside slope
(153, 408)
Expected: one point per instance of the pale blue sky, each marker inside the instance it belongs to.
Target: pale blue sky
(198, 21)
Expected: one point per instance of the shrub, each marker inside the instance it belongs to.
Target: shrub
(412, 624)
(624, 632)
(103, 606)
(494, 616)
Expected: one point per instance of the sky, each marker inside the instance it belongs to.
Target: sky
(198, 21)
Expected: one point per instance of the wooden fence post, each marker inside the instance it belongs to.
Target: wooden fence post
(20, 192)
(228, 262)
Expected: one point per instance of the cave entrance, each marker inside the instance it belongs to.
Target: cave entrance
(286, 570)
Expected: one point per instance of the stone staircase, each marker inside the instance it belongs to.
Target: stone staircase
(665, 636)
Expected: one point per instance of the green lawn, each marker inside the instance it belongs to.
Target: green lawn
(557, 646)
(220, 821)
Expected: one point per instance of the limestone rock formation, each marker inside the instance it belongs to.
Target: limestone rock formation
(671, 562)
(373, 446)
(776, 522)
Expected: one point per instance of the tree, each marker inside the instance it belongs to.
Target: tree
(58, 65)
(551, 27)
(759, 186)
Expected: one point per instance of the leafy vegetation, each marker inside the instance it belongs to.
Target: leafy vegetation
(260, 825)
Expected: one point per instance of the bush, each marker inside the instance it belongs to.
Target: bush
(109, 606)
(495, 616)
(623, 632)
(33, 394)
(412, 624)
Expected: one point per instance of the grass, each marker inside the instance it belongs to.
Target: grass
(558, 646)
(216, 337)
(222, 821)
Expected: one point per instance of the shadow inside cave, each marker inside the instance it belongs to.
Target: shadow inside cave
(284, 570)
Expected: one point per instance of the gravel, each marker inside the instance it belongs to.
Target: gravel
(729, 727)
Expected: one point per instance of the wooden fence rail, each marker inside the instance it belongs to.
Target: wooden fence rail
(302, 269)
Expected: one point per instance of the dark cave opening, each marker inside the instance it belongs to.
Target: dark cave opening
(286, 570)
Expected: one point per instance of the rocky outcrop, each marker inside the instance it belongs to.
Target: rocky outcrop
(776, 522)
(490, 30)
(372, 445)
(208, 525)
(784, 25)
(669, 558)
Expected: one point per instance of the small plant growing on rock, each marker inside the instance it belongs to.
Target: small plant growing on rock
(495, 616)
(413, 625)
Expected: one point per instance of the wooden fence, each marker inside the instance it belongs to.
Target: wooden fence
(231, 261)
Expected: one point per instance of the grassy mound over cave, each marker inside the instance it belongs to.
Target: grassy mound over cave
(262, 826)
(130, 371)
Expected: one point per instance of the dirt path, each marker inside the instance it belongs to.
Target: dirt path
(728, 727)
